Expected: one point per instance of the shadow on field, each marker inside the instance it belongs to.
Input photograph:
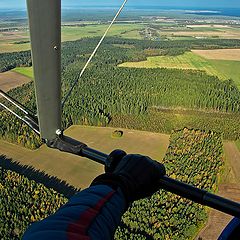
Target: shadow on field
(40, 177)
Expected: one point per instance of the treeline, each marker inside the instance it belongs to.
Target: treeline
(107, 91)
(23, 202)
(80, 50)
(165, 120)
(188, 44)
(194, 157)
(9, 61)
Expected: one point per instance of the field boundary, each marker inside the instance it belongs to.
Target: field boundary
(228, 188)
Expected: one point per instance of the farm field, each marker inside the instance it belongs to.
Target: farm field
(238, 144)
(219, 54)
(10, 80)
(71, 33)
(18, 40)
(189, 60)
(229, 188)
(26, 71)
(231, 69)
(78, 171)
(14, 41)
(203, 31)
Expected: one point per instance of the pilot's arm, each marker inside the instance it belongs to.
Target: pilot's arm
(95, 213)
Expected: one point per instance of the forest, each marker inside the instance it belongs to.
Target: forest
(193, 156)
(165, 120)
(110, 95)
(23, 202)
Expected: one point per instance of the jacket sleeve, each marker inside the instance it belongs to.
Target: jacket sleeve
(94, 213)
(232, 231)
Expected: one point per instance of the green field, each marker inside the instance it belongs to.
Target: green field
(231, 69)
(122, 30)
(224, 69)
(221, 68)
(79, 171)
(8, 42)
(26, 71)
(10, 47)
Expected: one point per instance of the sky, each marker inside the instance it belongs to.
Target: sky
(19, 4)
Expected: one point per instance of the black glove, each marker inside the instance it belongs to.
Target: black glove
(136, 175)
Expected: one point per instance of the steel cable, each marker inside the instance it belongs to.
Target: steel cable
(93, 53)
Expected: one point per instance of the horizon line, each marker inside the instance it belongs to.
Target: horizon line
(131, 6)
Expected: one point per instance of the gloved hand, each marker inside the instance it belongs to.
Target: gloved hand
(136, 175)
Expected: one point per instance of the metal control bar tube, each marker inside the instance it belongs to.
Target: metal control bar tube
(182, 189)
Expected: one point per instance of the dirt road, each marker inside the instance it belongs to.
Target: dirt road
(233, 157)
(229, 188)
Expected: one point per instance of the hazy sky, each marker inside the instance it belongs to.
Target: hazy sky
(173, 3)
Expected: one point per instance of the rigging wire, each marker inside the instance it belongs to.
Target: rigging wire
(30, 123)
(93, 53)
(11, 111)
(16, 103)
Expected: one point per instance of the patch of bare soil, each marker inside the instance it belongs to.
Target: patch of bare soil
(10, 80)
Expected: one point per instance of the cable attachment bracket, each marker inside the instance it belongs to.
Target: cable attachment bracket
(66, 144)
(26, 115)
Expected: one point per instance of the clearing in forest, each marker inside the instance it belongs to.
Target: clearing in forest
(188, 60)
(26, 71)
(223, 69)
(10, 80)
(78, 171)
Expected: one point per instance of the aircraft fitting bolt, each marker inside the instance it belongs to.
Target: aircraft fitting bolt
(58, 132)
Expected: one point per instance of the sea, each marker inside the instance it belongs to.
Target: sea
(231, 12)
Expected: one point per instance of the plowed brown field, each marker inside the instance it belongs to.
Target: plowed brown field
(10, 80)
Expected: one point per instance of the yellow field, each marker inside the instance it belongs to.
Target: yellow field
(204, 31)
(78, 171)
(223, 69)
(219, 54)
(187, 60)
